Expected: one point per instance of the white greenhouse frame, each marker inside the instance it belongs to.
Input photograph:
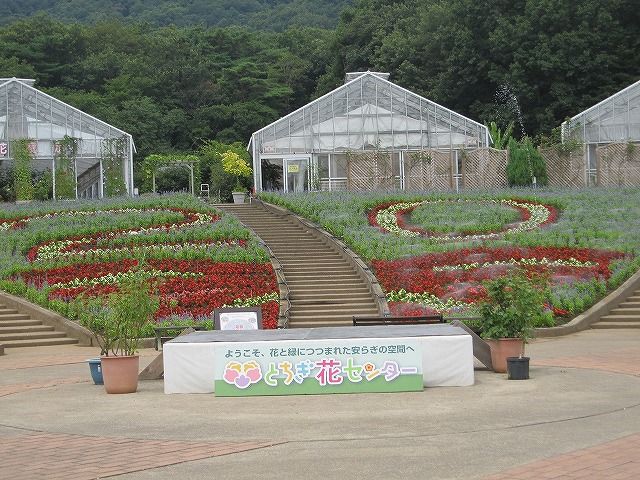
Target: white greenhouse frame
(367, 113)
(616, 119)
(28, 113)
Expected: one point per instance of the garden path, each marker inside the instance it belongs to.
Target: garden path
(324, 289)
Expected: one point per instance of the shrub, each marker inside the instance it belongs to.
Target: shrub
(513, 306)
(525, 162)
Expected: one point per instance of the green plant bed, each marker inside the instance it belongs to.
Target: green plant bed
(462, 217)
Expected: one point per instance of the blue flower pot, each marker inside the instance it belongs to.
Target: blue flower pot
(95, 365)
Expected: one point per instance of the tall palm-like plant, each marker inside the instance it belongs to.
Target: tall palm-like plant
(500, 138)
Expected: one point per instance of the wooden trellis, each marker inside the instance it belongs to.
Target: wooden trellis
(618, 164)
(566, 170)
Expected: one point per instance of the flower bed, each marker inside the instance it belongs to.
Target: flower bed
(199, 259)
(391, 218)
(451, 281)
(584, 243)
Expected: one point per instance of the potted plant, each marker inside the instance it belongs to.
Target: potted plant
(235, 165)
(513, 306)
(92, 314)
(118, 324)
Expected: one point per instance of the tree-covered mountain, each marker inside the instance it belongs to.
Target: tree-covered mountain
(530, 61)
(260, 14)
(533, 62)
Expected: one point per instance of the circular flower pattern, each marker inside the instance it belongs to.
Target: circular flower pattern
(390, 218)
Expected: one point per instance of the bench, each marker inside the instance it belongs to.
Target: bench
(359, 321)
(163, 335)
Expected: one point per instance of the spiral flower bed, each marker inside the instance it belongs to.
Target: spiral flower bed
(190, 284)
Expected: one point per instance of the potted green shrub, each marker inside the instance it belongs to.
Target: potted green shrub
(118, 323)
(235, 165)
(92, 314)
(514, 305)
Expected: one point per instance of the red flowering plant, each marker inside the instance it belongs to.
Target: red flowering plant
(454, 280)
(198, 261)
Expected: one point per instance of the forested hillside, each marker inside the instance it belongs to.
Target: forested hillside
(261, 14)
(531, 61)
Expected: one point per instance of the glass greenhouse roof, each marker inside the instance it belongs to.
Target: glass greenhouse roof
(26, 112)
(615, 119)
(365, 113)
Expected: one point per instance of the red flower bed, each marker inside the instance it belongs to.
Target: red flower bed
(216, 284)
(39, 277)
(420, 274)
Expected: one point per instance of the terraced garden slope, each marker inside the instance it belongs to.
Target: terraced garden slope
(432, 252)
(200, 258)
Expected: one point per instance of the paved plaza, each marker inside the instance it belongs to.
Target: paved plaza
(578, 417)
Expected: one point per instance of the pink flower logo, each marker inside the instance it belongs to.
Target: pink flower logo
(242, 374)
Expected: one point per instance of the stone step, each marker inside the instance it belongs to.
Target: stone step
(7, 311)
(300, 295)
(307, 273)
(612, 325)
(308, 256)
(343, 282)
(327, 317)
(30, 336)
(39, 342)
(633, 298)
(312, 264)
(317, 267)
(320, 312)
(19, 323)
(328, 287)
(346, 322)
(320, 259)
(297, 303)
(321, 275)
(13, 316)
(629, 305)
(280, 232)
(619, 318)
(626, 311)
(28, 328)
(296, 246)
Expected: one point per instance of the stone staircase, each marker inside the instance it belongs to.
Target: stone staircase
(20, 330)
(625, 315)
(324, 289)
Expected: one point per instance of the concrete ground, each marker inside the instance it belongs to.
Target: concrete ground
(577, 417)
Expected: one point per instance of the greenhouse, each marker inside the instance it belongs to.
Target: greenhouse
(316, 147)
(53, 146)
(609, 131)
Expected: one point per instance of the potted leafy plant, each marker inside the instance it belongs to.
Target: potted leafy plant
(514, 305)
(92, 314)
(118, 323)
(234, 164)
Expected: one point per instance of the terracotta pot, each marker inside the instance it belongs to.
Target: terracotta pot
(501, 348)
(120, 374)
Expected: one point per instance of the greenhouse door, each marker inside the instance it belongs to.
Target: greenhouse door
(297, 178)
